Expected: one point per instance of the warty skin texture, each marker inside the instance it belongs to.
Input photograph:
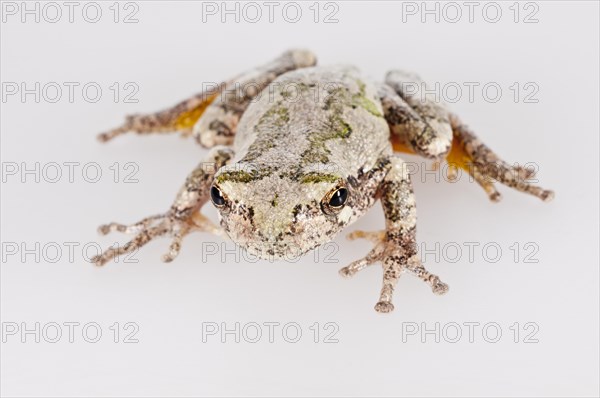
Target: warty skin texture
(292, 150)
(299, 152)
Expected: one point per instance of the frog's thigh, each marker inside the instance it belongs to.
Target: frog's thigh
(420, 126)
(218, 124)
(212, 115)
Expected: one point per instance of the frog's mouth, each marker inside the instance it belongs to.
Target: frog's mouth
(285, 251)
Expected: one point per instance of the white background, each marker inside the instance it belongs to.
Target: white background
(168, 54)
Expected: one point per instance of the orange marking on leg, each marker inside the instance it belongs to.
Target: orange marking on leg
(186, 120)
(399, 146)
(457, 157)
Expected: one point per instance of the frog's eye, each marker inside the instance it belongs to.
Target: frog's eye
(338, 198)
(216, 196)
(335, 200)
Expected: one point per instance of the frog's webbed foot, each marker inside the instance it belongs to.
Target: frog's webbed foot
(145, 230)
(182, 218)
(152, 227)
(396, 259)
(377, 238)
(485, 167)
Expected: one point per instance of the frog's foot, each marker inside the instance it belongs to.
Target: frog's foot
(152, 227)
(396, 258)
(485, 167)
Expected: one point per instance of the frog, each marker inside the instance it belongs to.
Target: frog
(298, 152)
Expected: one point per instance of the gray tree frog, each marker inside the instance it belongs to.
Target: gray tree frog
(299, 152)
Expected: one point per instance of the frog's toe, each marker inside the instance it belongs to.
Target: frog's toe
(437, 286)
(384, 307)
(373, 236)
(354, 267)
(153, 227)
(105, 229)
(138, 241)
(440, 288)
(485, 182)
(355, 235)
(547, 195)
(175, 246)
(346, 272)
(526, 172)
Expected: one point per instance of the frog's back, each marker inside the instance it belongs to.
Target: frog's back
(315, 117)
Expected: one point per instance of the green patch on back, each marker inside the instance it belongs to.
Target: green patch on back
(292, 91)
(242, 176)
(366, 103)
(270, 129)
(340, 96)
(277, 116)
(337, 128)
(314, 178)
(363, 101)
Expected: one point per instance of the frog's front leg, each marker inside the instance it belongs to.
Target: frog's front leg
(396, 247)
(182, 218)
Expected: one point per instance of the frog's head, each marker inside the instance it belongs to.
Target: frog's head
(276, 214)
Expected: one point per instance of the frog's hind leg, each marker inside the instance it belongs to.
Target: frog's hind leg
(179, 118)
(427, 128)
(417, 126)
(212, 116)
(470, 154)
(218, 124)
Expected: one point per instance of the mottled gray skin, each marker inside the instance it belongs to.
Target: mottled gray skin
(312, 131)
(285, 138)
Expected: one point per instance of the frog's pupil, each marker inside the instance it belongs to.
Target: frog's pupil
(216, 196)
(339, 197)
